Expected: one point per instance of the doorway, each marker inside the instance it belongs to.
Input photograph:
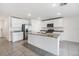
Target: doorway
(1, 29)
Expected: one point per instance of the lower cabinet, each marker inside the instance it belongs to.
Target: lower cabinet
(17, 36)
(46, 43)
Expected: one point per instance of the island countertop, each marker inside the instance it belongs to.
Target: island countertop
(53, 35)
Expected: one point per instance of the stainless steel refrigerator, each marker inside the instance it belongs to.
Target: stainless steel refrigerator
(25, 31)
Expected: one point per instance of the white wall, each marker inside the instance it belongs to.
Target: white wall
(4, 23)
(71, 29)
(36, 25)
(1, 27)
(6, 28)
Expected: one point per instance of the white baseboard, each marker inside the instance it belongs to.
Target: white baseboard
(70, 41)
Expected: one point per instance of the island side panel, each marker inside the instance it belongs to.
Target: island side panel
(49, 44)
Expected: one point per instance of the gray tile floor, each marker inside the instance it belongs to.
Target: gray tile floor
(68, 48)
(17, 49)
(14, 49)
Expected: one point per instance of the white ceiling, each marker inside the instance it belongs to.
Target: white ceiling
(43, 10)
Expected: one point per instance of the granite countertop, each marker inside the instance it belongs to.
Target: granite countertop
(53, 35)
(17, 31)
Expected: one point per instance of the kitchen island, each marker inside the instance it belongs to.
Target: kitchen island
(45, 41)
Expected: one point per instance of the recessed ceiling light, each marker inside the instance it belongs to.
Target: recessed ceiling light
(54, 4)
(29, 14)
(39, 17)
(58, 13)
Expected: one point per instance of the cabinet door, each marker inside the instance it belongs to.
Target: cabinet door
(33, 39)
(17, 23)
(17, 36)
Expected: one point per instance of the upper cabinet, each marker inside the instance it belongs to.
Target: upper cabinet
(36, 25)
(16, 23)
(57, 23)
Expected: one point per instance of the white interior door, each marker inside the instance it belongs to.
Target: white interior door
(0, 32)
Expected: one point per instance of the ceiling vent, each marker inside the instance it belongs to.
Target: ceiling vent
(63, 4)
